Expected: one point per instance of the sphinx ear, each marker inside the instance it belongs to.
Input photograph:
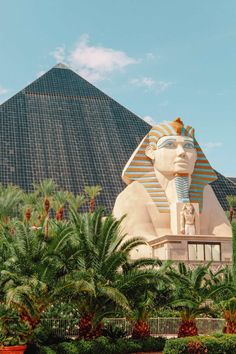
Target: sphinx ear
(149, 152)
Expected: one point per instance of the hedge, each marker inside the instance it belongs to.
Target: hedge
(105, 345)
(46, 350)
(219, 344)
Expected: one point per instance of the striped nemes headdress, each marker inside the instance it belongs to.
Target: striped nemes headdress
(140, 167)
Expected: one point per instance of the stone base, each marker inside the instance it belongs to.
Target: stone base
(176, 247)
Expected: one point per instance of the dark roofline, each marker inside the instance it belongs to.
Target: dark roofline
(232, 179)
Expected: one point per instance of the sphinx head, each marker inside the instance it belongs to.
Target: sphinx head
(173, 154)
(171, 149)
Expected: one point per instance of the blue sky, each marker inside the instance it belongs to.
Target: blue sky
(159, 58)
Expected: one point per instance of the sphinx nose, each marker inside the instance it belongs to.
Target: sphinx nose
(180, 151)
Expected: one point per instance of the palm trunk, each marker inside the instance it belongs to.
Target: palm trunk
(46, 208)
(46, 205)
(27, 215)
(230, 327)
(6, 219)
(46, 227)
(231, 214)
(188, 328)
(141, 330)
(59, 214)
(91, 205)
(86, 329)
(32, 321)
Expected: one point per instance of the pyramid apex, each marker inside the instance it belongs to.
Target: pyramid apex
(61, 66)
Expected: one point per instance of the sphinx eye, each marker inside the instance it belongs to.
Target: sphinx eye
(188, 145)
(169, 144)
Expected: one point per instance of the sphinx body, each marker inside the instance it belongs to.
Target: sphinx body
(168, 168)
(140, 220)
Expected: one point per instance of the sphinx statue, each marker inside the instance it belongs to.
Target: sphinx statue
(167, 170)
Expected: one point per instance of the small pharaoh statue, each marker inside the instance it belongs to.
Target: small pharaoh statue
(187, 220)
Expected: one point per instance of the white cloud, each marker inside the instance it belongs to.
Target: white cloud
(212, 144)
(143, 82)
(3, 91)
(148, 82)
(90, 75)
(149, 120)
(59, 54)
(150, 56)
(40, 73)
(163, 86)
(164, 103)
(94, 63)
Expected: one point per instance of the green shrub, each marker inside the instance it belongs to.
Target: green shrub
(44, 335)
(196, 347)
(100, 345)
(67, 348)
(46, 350)
(103, 345)
(107, 346)
(220, 344)
(85, 346)
(113, 332)
(177, 346)
(226, 344)
(153, 344)
(128, 346)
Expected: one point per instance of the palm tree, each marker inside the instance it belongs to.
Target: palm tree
(225, 300)
(229, 313)
(33, 276)
(10, 199)
(76, 201)
(147, 275)
(141, 328)
(193, 294)
(231, 199)
(92, 193)
(29, 204)
(46, 189)
(59, 202)
(104, 253)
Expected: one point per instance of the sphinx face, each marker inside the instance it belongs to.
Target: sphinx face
(174, 155)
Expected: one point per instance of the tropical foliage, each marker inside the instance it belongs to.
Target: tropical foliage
(55, 258)
(234, 250)
(193, 293)
(80, 257)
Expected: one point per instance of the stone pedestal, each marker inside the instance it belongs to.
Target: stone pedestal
(176, 248)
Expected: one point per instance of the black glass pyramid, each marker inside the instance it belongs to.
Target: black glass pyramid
(64, 128)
